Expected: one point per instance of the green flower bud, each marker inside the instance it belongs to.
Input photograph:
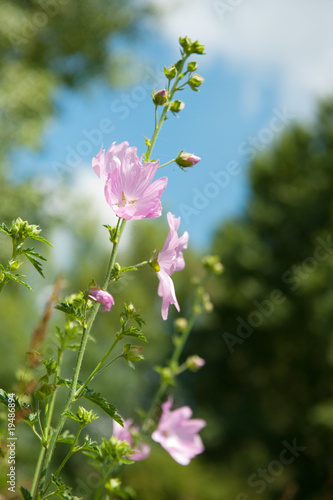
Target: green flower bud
(170, 72)
(117, 266)
(177, 106)
(85, 417)
(185, 42)
(194, 363)
(132, 353)
(212, 262)
(187, 159)
(195, 81)
(160, 97)
(192, 66)
(180, 324)
(197, 48)
(14, 264)
(191, 47)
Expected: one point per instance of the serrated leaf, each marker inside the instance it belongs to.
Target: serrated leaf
(68, 309)
(4, 229)
(96, 398)
(17, 279)
(32, 257)
(71, 415)
(40, 238)
(66, 437)
(25, 493)
(133, 331)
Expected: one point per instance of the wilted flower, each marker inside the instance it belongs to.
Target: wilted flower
(101, 296)
(129, 189)
(126, 433)
(178, 433)
(169, 260)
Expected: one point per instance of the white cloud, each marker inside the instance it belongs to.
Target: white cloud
(287, 41)
(83, 200)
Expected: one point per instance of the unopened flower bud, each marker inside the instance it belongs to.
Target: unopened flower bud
(191, 47)
(160, 97)
(132, 353)
(14, 264)
(177, 106)
(187, 159)
(195, 81)
(194, 363)
(180, 324)
(192, 66)
(213, 263)
(185, 42)
(197, 48)
(170, 72)
(101, 296)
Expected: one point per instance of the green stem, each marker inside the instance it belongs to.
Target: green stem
(47, 427)
(84, 340)
(101, 485)
(173, 362)
(168, 163)
(166, 108)
(93, 373)
(70, 453)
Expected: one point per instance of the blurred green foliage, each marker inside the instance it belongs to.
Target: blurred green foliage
(269, 344)
(45, 44)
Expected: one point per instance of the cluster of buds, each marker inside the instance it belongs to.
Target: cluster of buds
(190, 47)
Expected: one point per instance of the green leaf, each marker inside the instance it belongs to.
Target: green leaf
(32, 257)
(71, 415)
(66, 437)
(25, 493)
(17, 278)
(136, 332)
(40, 238)
(96, 398)
(4, 229)
(44, 391)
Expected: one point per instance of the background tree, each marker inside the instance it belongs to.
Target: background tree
(269, 345)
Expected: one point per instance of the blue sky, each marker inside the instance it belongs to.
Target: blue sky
(246, 101)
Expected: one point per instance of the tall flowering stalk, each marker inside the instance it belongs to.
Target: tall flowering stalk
(132, 193)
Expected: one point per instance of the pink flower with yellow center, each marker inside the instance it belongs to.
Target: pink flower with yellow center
(129, 187)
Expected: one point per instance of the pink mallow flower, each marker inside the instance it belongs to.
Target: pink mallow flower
(125, 433)
(169, 260)
(178, 433)
(101, 296)
(129, 187)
